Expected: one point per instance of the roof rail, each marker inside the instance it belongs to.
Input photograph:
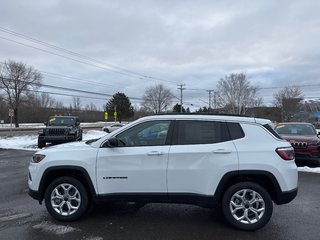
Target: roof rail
(203, 113)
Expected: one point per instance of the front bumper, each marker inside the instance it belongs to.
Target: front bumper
(35, 195)
(67, 138)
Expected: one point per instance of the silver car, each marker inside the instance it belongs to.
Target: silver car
(112, 127)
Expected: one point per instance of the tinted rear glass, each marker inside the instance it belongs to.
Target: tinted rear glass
(201, 132)
(235, 130)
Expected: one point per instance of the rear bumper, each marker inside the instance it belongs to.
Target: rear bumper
(286, 197)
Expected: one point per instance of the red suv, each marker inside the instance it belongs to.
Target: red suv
(305, 141)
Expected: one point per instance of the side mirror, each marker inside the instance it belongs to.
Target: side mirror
(112, 142)
(45, 123)
(77, 123)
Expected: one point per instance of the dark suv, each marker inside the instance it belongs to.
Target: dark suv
(305, 141)
(60, 130)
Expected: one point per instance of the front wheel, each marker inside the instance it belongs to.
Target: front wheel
(80, 138)
(66, 199)
(247, 206)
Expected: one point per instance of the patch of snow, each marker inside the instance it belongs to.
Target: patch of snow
(307, 169)
(93, 238)
(41, 125)
(93, 134)
(53, 228)
(20, 142)
(30, 142)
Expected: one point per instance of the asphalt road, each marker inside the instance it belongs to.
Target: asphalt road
(23, 218)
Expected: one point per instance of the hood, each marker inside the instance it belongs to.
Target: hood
(66, 146)
(300, 138)
(60, 127)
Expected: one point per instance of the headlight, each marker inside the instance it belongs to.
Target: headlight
(41, 131)
(37, 158)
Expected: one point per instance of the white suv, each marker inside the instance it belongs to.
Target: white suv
(237, 163)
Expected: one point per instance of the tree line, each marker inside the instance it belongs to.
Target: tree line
(20, 83)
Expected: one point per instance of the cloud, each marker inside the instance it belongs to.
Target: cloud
(191, 42)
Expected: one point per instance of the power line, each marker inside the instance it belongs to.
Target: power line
(69, 78)
(302, 85)
(106, 66)
(69, 89)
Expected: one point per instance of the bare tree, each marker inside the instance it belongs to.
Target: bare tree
(286, 93)
(76, 103)
(46, 101)
(16, 79)
(157, 98)
(288, 99)
(59, 105)
(91, 107)
(235, 94)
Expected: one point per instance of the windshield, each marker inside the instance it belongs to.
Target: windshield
(295, 129)
(61, 121)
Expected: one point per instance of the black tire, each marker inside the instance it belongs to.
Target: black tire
(80, 138)
(41, 143)
(242, 196)
(76, 190)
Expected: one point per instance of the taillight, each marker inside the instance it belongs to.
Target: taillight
(286, 153)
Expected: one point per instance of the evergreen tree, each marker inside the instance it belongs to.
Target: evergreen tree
(121, 104)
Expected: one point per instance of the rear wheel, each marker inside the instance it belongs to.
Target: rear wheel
(66, 199)
(247, 206)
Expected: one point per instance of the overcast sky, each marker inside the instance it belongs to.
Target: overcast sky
(276, 43)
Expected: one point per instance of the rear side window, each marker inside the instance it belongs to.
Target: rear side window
(235, 130)
(201, 132)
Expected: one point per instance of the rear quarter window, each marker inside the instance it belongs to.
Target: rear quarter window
(235, 130)
(201, 132)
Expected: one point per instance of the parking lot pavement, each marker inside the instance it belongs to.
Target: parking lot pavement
(23, 218)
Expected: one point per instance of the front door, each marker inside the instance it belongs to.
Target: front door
(138, 164)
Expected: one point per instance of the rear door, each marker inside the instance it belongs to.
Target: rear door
(202, 152)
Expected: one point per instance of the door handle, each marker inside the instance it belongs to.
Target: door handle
(222, 151)
(154, 153)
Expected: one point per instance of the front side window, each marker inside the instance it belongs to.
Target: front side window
(152, 133)
(201, 132)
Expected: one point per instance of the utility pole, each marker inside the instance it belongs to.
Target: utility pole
(215, 99)
(181, 88)
(210, 97)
